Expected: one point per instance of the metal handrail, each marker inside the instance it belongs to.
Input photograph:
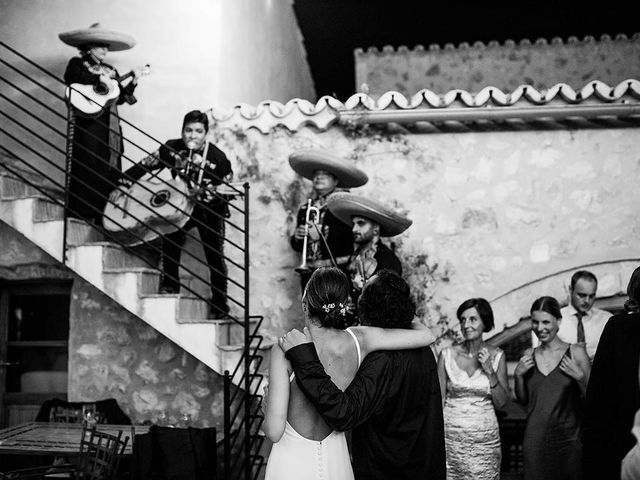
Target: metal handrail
(190, 235)
(111, 234)
(95, 137)
(61, 81)
(250, 358)
(98, 139)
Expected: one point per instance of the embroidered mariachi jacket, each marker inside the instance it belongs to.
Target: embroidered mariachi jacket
(368, 262)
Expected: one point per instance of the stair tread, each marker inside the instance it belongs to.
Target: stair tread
(100, 243)
(216, 321)
(228, 321)
(266, 345)
(131, 270)
(172, 295)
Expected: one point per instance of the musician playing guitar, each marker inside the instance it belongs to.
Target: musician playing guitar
(97, 140)
(186, 157)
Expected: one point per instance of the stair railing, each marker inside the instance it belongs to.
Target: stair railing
(51, 175)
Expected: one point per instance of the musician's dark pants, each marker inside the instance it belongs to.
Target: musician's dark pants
(211, 229)
(95, 167)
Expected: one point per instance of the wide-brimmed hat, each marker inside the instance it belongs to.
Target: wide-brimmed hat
(96, 34)
(306, 162)
(347, 205)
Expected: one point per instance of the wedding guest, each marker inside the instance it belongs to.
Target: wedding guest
(613, 396)
(551, 380)
(473, 381)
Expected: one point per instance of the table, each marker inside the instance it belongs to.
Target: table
(59, 439)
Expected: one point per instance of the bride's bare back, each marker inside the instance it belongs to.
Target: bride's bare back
(338, 354)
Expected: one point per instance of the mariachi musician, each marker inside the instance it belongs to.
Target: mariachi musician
(322, 239)
(97, 140)
(369, 221)
(204, 166)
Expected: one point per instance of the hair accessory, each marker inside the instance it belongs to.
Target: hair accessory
(327, 307)
(342, 309)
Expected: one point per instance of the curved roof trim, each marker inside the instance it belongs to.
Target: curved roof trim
(561, 101)
(434, 47)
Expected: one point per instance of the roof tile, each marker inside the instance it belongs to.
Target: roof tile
(327, 110)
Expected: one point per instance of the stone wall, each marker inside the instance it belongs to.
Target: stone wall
(505, 66)
(113, 354)
(492, 211)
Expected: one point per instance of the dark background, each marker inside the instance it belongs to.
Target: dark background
(332, 29)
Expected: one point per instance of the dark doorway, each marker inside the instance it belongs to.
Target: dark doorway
(34, 338)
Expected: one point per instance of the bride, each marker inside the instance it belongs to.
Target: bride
(304, 445)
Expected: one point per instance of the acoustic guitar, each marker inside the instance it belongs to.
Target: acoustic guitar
(92, 99)
(149, 208)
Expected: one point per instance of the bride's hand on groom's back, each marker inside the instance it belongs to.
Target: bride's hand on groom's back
(293, 338)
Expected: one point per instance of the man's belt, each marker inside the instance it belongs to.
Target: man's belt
(314, 264)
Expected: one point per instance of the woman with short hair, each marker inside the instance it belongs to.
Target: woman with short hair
(473, 381)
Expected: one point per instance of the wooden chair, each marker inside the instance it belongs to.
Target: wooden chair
(98, 459)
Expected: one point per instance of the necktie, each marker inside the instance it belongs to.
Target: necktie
(580, 327)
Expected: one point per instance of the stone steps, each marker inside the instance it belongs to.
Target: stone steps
(125, 275)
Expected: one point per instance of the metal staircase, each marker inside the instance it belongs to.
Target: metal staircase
(34, 174)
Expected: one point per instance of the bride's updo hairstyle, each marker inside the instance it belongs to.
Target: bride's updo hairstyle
(326, 296)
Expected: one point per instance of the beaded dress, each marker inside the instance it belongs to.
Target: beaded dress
(471, 433)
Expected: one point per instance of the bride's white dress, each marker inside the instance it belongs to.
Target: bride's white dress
(295, 457)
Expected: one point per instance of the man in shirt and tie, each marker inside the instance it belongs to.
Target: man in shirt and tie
(581, 321)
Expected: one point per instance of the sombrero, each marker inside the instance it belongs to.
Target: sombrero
(347, 205)
(96, 34)
(305, 162)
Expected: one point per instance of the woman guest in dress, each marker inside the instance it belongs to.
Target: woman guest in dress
(305, 447)
(473, 380)
(97, 139)
(551, 381)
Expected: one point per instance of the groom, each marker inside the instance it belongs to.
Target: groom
(393, 404)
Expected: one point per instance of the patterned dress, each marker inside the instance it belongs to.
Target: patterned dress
(471, 433)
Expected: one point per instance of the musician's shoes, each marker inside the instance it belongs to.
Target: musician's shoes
(164, 290)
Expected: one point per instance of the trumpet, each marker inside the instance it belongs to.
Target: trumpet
(303, 267)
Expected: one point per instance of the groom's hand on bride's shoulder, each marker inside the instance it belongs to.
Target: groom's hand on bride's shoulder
(293, 338)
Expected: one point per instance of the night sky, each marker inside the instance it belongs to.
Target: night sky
(332, 29)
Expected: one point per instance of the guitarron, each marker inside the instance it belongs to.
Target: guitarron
(155, 205)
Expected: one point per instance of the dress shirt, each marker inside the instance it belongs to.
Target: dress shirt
(393, 406)
(594, 321)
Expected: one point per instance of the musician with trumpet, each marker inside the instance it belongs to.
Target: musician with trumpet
(369, 220)
(97, 139)
(204, 167)
(319, 236)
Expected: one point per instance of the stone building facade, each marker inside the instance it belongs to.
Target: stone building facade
(495, 208)
(506, 66)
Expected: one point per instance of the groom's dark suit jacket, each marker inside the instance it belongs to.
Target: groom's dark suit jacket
(393, 406)
(613, 397)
